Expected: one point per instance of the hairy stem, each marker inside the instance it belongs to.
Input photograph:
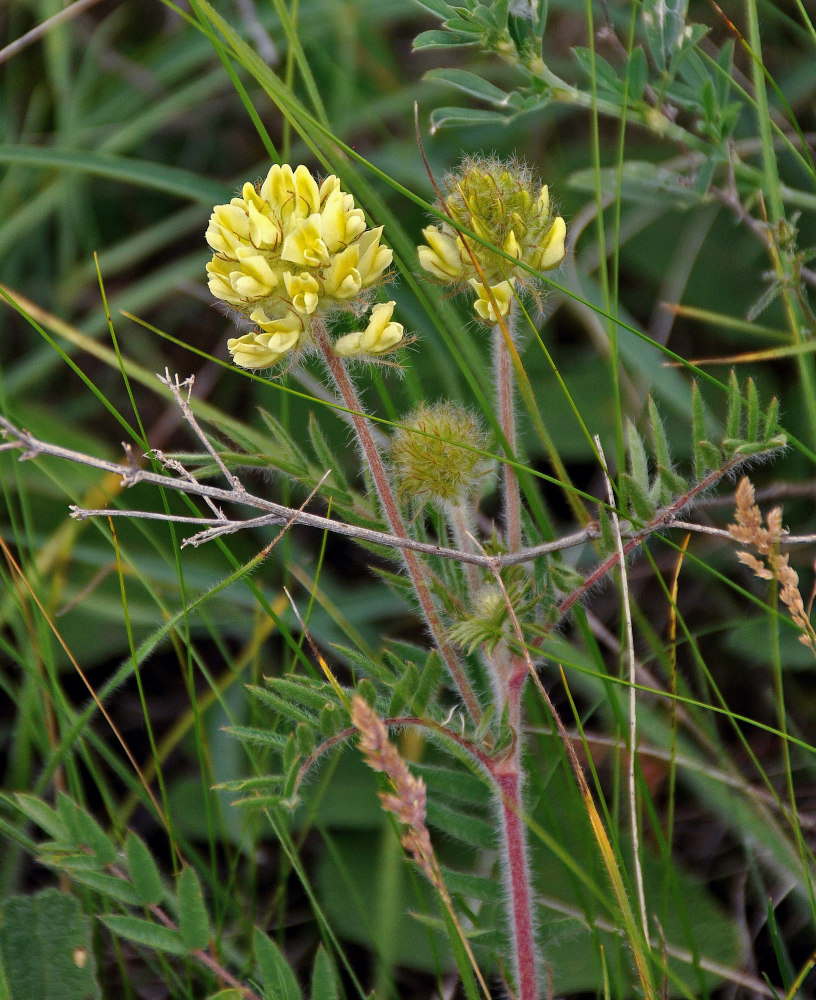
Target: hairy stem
(518, 878)
(511, 671)
(506, 396)
(459, 520)
(351, 400)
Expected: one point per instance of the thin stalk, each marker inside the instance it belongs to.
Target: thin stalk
(506, 396)
(351, 400)
(633, 736)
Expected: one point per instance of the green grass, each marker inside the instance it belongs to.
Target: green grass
(171, 693)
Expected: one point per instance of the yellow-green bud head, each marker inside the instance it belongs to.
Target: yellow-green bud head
(506, 206)
(287, 251)
(438, 463)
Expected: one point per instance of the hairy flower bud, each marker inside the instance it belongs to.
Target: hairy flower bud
(439, 463)
(506, 207)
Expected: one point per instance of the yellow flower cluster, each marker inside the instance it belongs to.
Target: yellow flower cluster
(506, 207)
(290, 250)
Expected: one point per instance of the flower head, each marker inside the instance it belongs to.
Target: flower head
(442, 462)
(506, 207)
(289, 251)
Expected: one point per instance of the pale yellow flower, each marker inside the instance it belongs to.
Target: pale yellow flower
(288, 252)
(380, 336)
(261, 350)
(506, 207)
(502, 296)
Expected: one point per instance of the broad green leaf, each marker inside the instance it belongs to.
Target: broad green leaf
(194, 921)
(146, 933)
(143, 870)
(277, 978)
(46, 948)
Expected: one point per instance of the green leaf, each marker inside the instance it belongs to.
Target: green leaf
(194, 921)
(332, 719)
(710, 455)
(664, 23)
(277, 978)
(471, 84)
(734, 418)
(637, 71)
(260, 737)
(607, 77)
(143, 870)
(87, 831)
(462, 826)
(698, 431)
(436, 39)
(641, 182)
(638, 499)
(328, 462)
(660, 442)
(111, 886)
(438, 7)
(770, 420)
(146, 933)
(404, 691)
(43, 815)
(305, 739)
(429, 680)
(638, 459)
(673, 485)
(454, 117)
(324, 981)
(129, 171)
(46, 950)
(461, 957)
(752, 418)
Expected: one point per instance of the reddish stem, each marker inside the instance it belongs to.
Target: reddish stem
(348, 394)
(518, 878)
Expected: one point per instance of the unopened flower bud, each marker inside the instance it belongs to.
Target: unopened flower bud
(442, 462)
